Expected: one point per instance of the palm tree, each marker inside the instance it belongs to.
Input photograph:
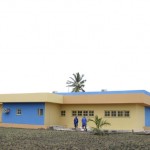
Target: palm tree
(99, 122)
(76, 82)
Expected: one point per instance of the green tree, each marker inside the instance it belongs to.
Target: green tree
(76, 82)
(99, 123)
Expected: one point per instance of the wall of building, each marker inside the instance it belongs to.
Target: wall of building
(107, 99)
(52, 114)
(0, 112)
(147, 116)
(31, 97)
(53, 107)
(29, 113)
(139, 117)
(135, 121)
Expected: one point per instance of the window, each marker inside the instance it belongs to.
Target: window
(120, 113)
(40, 112)
(79, 113)
(74, 113)
(126, 113)
(107, 113)
(91, 113)
(113, 113)
(85, 113)
(63, 113)
(18, 111)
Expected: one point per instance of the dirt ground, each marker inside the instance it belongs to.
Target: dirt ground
(44, 139)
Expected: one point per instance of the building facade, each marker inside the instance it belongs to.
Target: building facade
(125, 110)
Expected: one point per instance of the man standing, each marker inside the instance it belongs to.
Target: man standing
(84, 123)
(75, 122)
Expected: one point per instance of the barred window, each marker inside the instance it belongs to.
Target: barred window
(18, 111)
(107, 113)
(79, 113)
(74, 113)
(91, 113)
(40, 112)
(113, 113)
(63, 113)
(126, 113)
(120, 113)
(85, 113)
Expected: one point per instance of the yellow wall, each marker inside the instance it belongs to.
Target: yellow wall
(0, 112)
(99, 103)
(54, 98)
(108, 99)
(52, 114)
(140, 116)
(135, 121)
(32, 97)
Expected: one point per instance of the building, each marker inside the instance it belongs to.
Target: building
(125, 110)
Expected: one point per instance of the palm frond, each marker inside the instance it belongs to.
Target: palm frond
(99, 122)
(76, 82)
(72, 79)
(82, 90)
(69, 82)
(91, 120)
(81, 77)
(75, 76)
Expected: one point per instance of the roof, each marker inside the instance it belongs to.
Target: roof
(31, 97)
(105, 97)
(108, 97)
(105, 92)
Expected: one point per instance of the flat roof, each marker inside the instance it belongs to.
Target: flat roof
(104, 92)
(108, 97)
(103, 97)
(31, 97)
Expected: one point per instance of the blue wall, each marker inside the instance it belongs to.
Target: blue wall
(29, 113)
(147, 116)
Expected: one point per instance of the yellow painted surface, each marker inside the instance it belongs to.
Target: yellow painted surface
(54, 98)
(31, 97)
(146, 99)
(147, 128)
(28, 126)
(52, 114)
(77, 99)
(135, 121)
(108, 99)
(0, 112)
(54, 104)
(140, 116)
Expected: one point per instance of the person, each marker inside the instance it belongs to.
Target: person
(84, 123)
(75, 122)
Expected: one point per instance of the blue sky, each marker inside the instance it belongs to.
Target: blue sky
(42, 43)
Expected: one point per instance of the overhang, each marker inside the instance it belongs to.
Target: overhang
(31, 97)
(108, 99)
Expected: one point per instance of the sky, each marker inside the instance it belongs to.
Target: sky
(43, 42)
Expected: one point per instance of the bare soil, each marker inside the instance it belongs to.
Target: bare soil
(44, 139)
